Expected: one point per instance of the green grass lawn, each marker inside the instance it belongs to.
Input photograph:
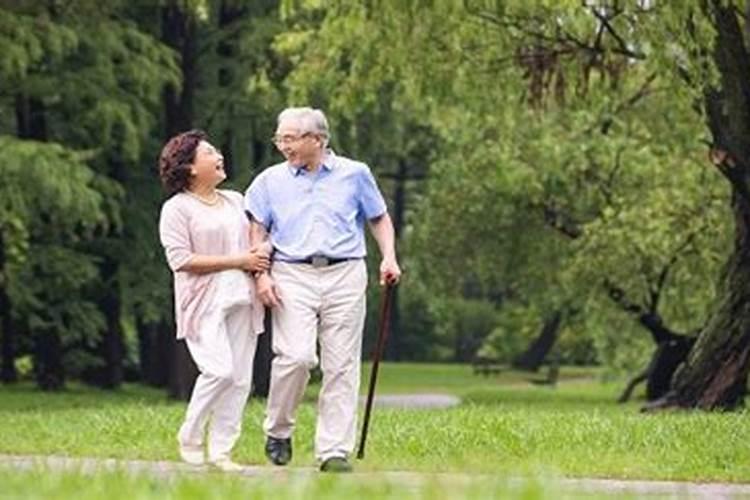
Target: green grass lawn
(505, 427)
(50, 485)
(458, 379)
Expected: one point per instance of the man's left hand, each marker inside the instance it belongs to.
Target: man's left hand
(389, 271)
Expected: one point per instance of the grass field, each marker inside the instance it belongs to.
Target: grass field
(122, 486)
(505, 427)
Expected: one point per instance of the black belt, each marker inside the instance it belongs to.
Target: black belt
(320, 261)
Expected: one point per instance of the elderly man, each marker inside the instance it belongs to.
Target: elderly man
(313, 207)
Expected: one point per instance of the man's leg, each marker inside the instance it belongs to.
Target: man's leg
(226, 421)
(342, 321)
(294, 334)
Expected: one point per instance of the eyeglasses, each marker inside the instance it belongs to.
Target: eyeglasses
(288, 139)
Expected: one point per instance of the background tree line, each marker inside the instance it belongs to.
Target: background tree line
(567, 179)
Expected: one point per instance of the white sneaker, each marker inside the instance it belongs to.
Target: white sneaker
(192, 455)
(226, 465)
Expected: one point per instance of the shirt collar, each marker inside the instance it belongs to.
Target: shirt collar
(329, 163)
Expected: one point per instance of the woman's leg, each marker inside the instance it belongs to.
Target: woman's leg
(211, 353)
(226, 422)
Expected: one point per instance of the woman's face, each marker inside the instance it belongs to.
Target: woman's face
(208, 167)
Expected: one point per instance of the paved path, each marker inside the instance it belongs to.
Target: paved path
(414, 401)
(712, 491)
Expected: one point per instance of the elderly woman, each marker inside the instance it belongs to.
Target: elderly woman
(205, 235)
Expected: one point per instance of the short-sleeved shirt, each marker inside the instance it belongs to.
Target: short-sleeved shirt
(187, 227)
(316, 213)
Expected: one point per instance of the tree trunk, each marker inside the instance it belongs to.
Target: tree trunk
(641, 377)
(111, 347)
(152, 352)
(665, 361)
(31, 122)
(8, 366)
(48, 364)
(182, 370)
(667, 357)
(179, 32)
(263, 359)
(534, 356)
(226, 50)
(394, 350)
(715, 373)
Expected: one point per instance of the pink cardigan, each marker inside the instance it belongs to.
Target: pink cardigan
(186, 227)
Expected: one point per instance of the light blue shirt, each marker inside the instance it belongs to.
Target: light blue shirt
(316, 213)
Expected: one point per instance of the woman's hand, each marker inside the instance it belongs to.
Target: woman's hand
(257, 260)
(254, 261)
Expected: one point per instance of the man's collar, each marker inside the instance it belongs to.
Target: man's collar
(329, 163)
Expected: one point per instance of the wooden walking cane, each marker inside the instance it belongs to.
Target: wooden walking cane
(385, 314)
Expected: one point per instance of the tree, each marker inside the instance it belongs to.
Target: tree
(705, 50)
(84, 77)
(715, 374)
(340, 68)
(228, 87)
(576, 117)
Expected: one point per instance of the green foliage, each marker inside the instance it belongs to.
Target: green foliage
(29, 41)
(556, 169)
(86, 81)
(44, 181)
(240, 92)
(538, 155)
(50, 291)
(516, 328)
(462, 325)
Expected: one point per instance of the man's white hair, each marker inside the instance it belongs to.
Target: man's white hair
(311, 121)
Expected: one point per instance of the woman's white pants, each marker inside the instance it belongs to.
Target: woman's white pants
(224, 355)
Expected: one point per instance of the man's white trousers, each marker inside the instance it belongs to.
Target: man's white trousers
(327, 305)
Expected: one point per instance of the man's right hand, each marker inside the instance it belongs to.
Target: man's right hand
(266, 290)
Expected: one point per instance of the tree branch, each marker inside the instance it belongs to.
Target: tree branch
(560, 221)
(650, 320)
(658, 287)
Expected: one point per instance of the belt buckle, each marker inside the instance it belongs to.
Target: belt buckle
(319, 261)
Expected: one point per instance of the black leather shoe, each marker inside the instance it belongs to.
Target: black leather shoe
(279, 451)
(336, 464)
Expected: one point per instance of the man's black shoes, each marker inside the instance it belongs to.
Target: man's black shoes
(336, 464)
(279, 451)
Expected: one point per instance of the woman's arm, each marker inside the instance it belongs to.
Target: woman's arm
(174, 233)
(250, 261)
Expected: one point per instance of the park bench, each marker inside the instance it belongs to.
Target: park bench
(486, 367)
(553, 373)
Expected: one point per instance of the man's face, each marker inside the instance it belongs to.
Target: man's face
(298, 148)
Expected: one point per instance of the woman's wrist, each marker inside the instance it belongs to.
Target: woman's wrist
(238, 261)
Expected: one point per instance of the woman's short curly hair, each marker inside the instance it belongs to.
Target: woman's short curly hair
(175, 160)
